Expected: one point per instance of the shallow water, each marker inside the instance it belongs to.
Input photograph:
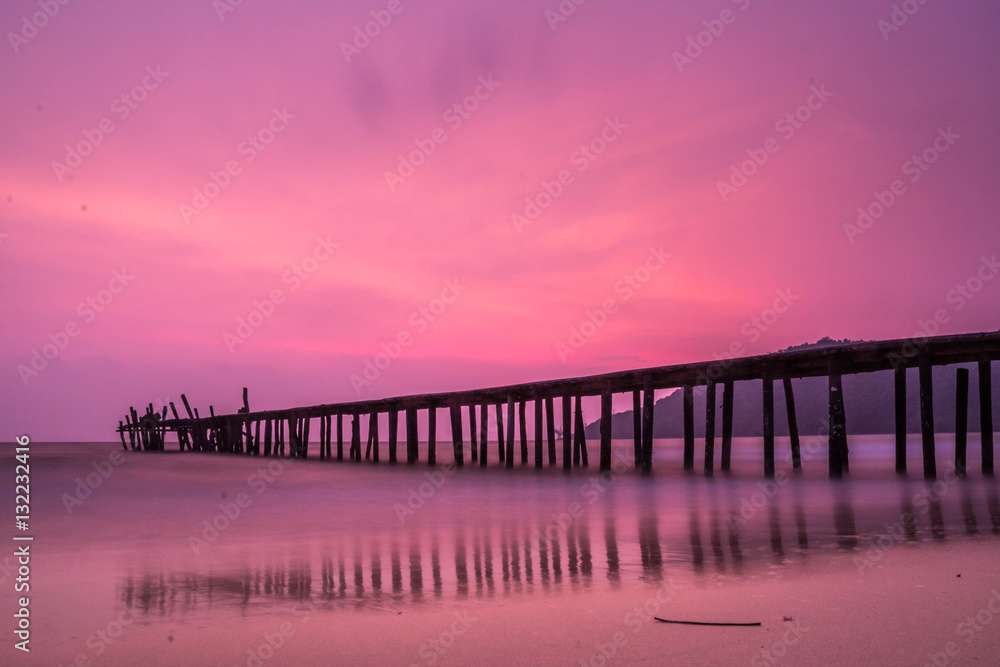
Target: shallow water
(157, 556)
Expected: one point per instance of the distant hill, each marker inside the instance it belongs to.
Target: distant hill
(869, 403)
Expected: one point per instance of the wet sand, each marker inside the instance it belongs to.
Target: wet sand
(344, 563)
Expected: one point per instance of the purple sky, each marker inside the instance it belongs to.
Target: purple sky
(649, 231)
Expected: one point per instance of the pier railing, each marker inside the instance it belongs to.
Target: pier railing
(286, 432)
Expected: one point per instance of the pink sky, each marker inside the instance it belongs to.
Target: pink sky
(342, 125)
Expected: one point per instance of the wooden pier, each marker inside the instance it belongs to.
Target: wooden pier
(286, 432)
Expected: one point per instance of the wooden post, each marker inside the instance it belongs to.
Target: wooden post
(927, 415)
(523, 423)
(550, 414)
(837, 425)
(121, 432)
(393, 433)
(986, 414)
(340, 436)
(432, 435)
(581, 434)
(709, 427)
(510, 431)
(473, 444)
(648, 396)
(768, 426)
(456, 435)
(267, 437)
(373, 431)
(412, 444)
(484, 432)
(793, 423)
(899, 376)
(304, 446)
(637, 426)
(567, 432)
(688, 427)
(187, 406)
(329, 437)
(246, 403)
(606, 418)
(727, 425)
(256, 438)
(961, 419)
(322, 438)
(356, 437)
(501, 439)
(539, 444)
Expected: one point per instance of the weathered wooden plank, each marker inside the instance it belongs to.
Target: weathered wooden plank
(550, 422)
(688, 427)
(473, 444)
(986, 414)
(648, 405)
(961, 419)
(837, 425)
(457, 443)
(484, 432)
(523, 423)
(793, 423)
(899, 380)
(768, 426)
(709, 427)
(539, 443)
(567, 432)
(605, 460)
(432, 436)
(393, 433)
(581, 435)
(637, 426)
(927, 416)
(510, 431)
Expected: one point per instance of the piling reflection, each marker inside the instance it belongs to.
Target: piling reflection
(725, 530)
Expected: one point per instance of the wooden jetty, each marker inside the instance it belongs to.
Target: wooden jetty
(287, 432)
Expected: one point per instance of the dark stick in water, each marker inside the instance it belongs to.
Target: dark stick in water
(663, 620)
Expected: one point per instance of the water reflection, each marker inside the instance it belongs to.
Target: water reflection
(725, 530)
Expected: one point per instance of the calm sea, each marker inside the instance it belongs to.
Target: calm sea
(141, 558)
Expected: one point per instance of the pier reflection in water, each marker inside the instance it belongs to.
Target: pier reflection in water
(726, 530)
